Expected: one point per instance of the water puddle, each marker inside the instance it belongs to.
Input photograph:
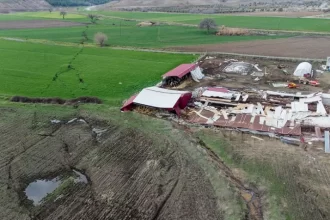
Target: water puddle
(39, 189)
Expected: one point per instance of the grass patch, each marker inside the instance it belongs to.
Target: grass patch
(38, 16)
(273, 23)
(126, 33)
(113, 75)
(259, 173)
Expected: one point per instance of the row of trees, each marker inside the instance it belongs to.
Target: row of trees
(68, 3)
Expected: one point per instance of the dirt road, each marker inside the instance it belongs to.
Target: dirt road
(299, 47)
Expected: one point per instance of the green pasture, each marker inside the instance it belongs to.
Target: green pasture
(40, 15)
(29, 69)
(126, 33)
(273, 23)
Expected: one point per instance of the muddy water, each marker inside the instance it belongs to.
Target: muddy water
(40, 188)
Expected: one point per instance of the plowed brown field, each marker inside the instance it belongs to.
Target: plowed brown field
(299, 47)
(36, 24)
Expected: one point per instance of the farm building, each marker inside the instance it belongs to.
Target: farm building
(182, 72)
(159, 98)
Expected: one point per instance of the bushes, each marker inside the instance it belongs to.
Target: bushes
(226, 31)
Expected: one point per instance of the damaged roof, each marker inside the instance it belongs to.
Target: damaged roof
(159, 98)
(181, 70)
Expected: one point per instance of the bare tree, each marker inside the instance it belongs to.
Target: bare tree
(208, 24)
(50, 10)
(93, 18)
(100, 39)
(63, 13)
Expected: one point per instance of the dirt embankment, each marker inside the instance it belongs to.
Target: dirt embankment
(37, 24)
(132, 175)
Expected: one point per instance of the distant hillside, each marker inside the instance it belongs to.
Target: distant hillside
(34, 5)
(68, 3)
(22, 5)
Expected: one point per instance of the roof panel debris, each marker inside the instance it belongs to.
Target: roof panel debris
(219, 98)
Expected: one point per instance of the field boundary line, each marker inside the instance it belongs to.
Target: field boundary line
(196, 25)
(200, 53)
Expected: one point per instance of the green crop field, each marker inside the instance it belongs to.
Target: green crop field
(273, 23)
(39, 16)
(126, 33)
(29, 69)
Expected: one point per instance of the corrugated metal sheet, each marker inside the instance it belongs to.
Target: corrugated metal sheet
(256, 123)
(197, 74)
(224, 95)
(311, 99)
(181, 70)
(299, 107)
(157, 97)
(326, 142)
(320, 108)
(218, 89)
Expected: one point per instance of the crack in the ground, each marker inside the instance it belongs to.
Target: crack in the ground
(254, 202)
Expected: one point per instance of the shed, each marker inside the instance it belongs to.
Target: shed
(303, 69)
(159, 98)
(183, 69)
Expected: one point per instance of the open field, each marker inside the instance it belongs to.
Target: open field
(300, 47)
(290, 14)
(36, 24)
(254, 22)
(42, 71)
(145, 169)
(126, 33)
(295, 181)
(39, 15)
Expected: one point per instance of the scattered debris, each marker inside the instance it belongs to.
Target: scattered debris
(280, 85)
(283, 114)
(260, 139)
(72, 120)
(239, 68)
(258, 74)
(55, 121)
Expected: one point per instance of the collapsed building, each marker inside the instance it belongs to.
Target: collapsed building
(177, 75)
(286, 115)
(159, 98)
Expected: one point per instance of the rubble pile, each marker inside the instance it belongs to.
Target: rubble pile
(231, 94)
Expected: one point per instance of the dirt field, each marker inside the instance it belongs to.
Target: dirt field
(132, 174)
(36, 24)
(213, 69)
(298, 47)
(291, 14)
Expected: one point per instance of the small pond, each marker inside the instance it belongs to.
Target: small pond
(37, 190)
